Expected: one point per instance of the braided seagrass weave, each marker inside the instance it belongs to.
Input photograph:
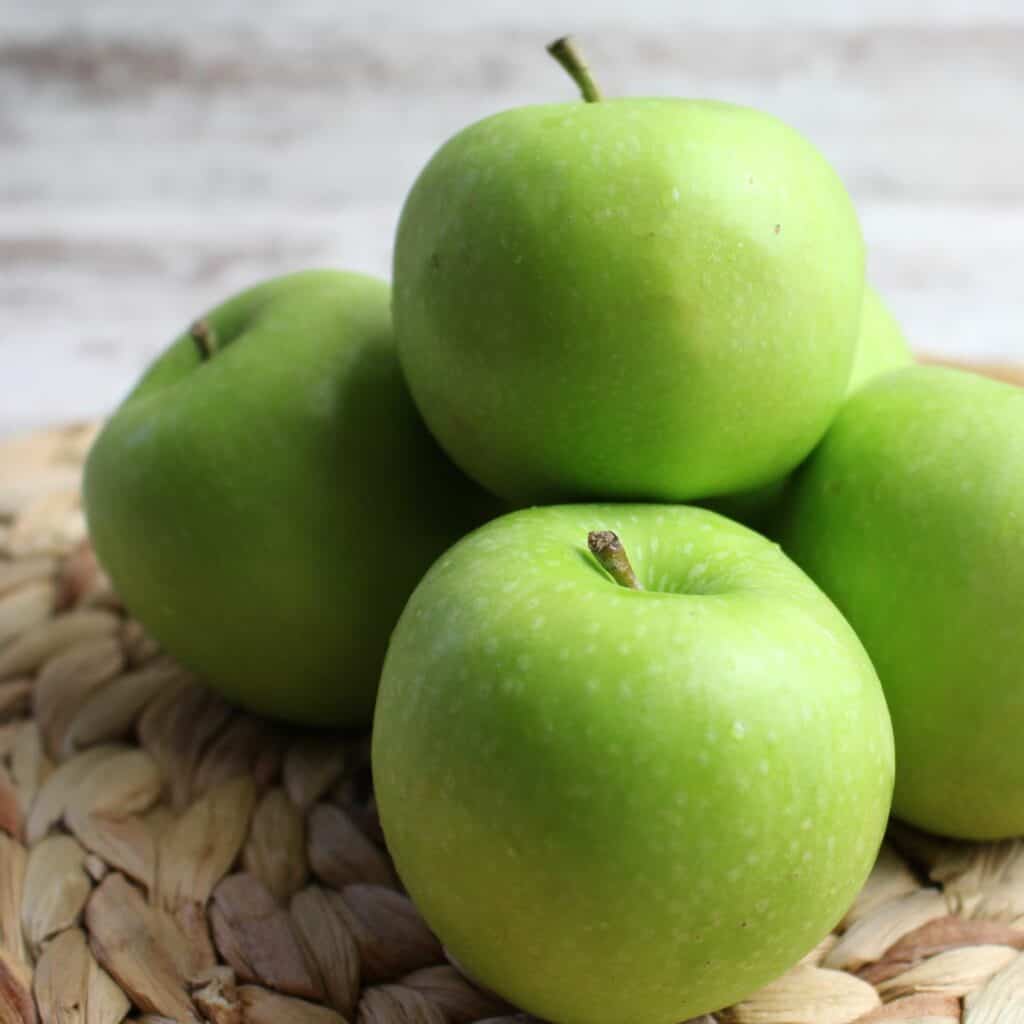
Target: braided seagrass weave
(164, 857)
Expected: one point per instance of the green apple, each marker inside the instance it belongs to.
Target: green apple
(615, 804)
(881, 348)
(635, 299)
(267, 498)
(910, 516)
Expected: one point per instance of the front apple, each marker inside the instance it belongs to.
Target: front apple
(628, 805)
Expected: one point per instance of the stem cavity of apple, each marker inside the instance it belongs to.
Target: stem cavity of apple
(608, 550)
(565, 52)
(205, 337)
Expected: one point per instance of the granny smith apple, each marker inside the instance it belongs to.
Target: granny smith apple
(650, 299)
(881, 348)
(267, 498)
(618, 804)
(910, 516)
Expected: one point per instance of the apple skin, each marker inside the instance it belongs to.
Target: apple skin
(266, 513)
(614, 805)
(909, 515)
(637, 299)
(881, 348)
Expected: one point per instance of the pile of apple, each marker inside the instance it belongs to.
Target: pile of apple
(631, 761)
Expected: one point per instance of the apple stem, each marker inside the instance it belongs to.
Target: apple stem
(205, 337)
(565, 52)
(608, 550)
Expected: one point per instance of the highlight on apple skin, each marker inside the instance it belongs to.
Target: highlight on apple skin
(630, 804)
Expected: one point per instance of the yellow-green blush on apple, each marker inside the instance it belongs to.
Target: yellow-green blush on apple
(881, 348)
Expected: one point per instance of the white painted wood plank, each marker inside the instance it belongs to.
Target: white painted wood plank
(258, 16)
(922, 112)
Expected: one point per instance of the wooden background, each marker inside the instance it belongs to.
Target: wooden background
(154, 156)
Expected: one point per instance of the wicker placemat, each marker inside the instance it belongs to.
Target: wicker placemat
(166, 857)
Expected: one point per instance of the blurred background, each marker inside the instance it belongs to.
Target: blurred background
(156, 156)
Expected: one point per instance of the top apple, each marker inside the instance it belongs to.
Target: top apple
(643, 299)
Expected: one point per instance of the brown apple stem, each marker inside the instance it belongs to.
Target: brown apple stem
(565, 52)
(205, 337)
(608, 550)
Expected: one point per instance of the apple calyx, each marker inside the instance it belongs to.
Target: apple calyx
(606, 547)
(205, 337)
(565, 52)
